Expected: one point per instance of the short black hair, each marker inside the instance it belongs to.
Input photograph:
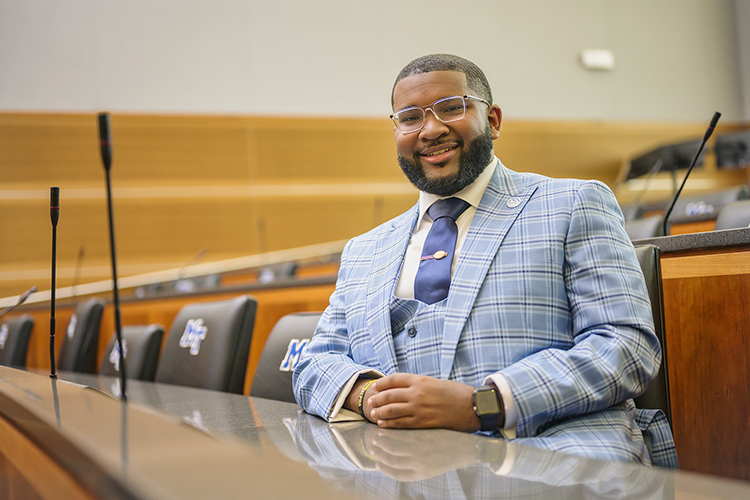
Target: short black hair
(475, 78)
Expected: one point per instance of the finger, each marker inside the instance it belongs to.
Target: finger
(391, 411)
(407, 422)
(393, 381)
(389, 396)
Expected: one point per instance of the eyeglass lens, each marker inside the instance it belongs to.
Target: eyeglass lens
(446, 110)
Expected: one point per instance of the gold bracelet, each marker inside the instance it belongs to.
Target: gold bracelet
(361, 399)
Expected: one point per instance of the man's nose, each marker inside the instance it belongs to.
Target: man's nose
(433, 127)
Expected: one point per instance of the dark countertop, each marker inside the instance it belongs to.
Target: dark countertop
(699, 241)
(170, 442)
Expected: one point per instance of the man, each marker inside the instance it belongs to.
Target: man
(543, 325)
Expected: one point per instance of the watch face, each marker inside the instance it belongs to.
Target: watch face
(486, 402)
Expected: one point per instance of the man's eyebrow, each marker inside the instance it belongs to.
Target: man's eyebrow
(408, 106)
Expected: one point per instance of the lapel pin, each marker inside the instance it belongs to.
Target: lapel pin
(513, 202)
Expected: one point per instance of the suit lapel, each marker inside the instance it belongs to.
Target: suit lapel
(503, 200)
(390, 247)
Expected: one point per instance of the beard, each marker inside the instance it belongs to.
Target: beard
(471, 163)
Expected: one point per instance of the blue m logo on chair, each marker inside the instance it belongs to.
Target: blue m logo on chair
(293, 353)
(114, 356)
(194, 333)
(4, 330)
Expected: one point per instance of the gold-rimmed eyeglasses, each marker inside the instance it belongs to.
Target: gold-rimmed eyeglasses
(446, 110)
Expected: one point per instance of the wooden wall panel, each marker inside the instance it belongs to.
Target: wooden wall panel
(239, 185)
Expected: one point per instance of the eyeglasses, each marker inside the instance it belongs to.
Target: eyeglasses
(446, 110)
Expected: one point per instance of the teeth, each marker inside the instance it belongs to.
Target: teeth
(435, 153)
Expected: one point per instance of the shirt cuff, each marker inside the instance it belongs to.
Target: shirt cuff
(511, 412)
(341, 414)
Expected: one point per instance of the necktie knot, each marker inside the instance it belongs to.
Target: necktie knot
(449, 207)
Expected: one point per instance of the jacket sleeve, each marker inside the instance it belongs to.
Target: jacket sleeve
(615, 352)
(327, 362)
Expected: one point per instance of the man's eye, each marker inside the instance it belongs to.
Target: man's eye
(453, 109)
(408, 117)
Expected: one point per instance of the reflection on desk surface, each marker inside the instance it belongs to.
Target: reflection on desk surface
(258, 448)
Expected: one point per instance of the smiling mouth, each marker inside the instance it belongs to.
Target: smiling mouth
(437, 150)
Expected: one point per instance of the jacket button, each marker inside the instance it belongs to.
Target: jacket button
(412, 332)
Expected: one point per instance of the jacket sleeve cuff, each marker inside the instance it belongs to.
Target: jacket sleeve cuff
(511, 412)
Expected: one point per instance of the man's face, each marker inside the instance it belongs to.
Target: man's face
(443, 158)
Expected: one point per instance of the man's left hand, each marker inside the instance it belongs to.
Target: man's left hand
(406, 401)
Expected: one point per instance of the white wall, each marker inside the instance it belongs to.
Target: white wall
(675, 59)
(742, 16)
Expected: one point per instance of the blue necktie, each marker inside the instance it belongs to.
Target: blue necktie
(434, 274)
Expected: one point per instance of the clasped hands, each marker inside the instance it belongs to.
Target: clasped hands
(407, 401)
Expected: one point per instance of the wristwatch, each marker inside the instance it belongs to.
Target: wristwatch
(488, 405)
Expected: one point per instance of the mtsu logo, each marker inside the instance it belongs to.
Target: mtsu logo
(194, 333)
(699, 208)
(3, 335)
(114, 356)
(293, 353)
(72, 325)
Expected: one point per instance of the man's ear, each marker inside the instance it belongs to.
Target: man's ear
(495, 116)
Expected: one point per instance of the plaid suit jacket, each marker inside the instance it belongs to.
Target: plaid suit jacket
(547, 290)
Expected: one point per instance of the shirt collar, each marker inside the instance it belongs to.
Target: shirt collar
(472, 194)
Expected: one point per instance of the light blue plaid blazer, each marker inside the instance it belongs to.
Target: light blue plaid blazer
(547, 290)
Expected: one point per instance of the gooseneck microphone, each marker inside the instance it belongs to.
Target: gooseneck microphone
(54, 215)
(709, 131)
(106, 149)
(20, 301)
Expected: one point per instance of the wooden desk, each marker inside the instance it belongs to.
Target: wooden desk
(706, 292)
(171, 442)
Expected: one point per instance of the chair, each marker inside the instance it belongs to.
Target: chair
(285, 270)
(208, 345)
(289, 337)
(657, 395)
(142, 347)
(79, 346)
(734, 215)
(706, 206)
(14, 340)
(648, 227)
(654, 411)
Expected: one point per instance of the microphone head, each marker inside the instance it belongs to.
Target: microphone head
(104, 127)
(104, 140)
(26, 294)
(54, 205)
(715, 119)
(711, 126)
(54, 197)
